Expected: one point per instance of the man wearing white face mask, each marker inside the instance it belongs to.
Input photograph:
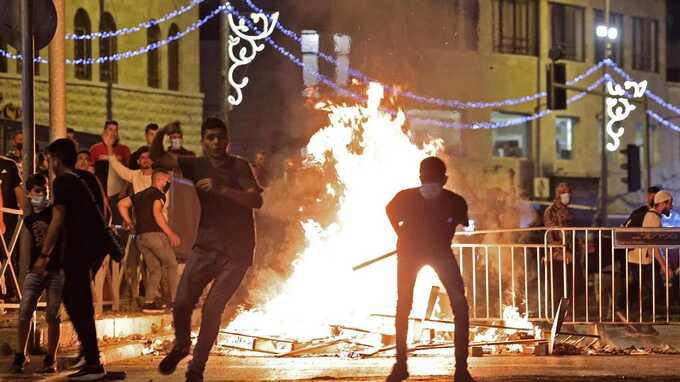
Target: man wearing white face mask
(558, 215)
(176, 141)
(425, 220)
(50, 279)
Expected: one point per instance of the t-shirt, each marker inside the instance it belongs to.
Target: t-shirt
(427, 226)
(225, 226)
(143, 203)
(84, 234)
(637, 217)
(100, 158)
(37, 224)
(182, 152)
(644, 256)
(9, 176)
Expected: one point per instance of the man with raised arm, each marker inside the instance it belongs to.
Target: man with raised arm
(224, 247)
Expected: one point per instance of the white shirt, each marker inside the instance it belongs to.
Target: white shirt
(644, 256)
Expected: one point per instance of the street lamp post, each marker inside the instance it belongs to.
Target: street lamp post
(608, 34)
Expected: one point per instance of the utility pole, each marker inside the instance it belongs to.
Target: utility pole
(28, 119)
(27, 91)
(57, 68)
(604, 176)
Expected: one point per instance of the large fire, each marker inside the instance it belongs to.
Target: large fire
(374, 158)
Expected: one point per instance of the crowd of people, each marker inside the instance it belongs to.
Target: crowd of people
(70, 217)
(69, 220)
(641, 277)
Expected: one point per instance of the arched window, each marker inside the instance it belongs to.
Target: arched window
(108, 70)
(3, 59)
(82, 48)
(153, 34)
(173, 59)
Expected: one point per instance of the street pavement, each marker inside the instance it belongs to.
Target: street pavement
(487, 369)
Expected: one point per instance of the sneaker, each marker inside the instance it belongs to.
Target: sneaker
(462, 376)
(153, 307)
(399, 373)
(20, 362)
(88, 373)
(169, 363)
(79, 362)
(49, 366)
(193, 376)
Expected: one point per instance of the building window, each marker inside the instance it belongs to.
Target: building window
(512, 141)
(568, 30)
(82, 47)
(173, 59)
(564, 137)
(3, 59)
(108, 70)
(153, 35)
(645, 44)
(515, 26)
(616, 21)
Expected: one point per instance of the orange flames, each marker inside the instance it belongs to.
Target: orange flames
(374, 159)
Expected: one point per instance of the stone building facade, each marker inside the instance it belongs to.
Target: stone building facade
(160, 86)
(566, 143)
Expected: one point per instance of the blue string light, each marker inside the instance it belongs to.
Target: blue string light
(649, 93)
(131, 53)
(440, 123)
(448, 103)
(505, 123)
(664, 122)
(651, 113)
(141, 26)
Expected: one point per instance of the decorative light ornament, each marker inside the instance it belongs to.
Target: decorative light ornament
(619, 108)
(247, 53)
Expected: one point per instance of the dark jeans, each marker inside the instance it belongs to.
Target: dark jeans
(33, 288)
(202, 268)
(447, 269)
(80, 309)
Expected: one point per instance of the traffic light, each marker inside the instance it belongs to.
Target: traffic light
(557, 96)
(632, 167)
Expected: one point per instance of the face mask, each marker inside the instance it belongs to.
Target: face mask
(20, 146)
(565, 198)
(430, 191)
(176, 143)
(166, 188)
(39, 203)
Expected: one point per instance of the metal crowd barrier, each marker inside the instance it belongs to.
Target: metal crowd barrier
(531, 269)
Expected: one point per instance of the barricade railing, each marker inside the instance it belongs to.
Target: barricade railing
(605, 273)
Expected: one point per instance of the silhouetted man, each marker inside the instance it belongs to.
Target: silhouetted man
(425, 220)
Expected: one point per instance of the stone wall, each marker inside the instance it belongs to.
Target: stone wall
(133, 103)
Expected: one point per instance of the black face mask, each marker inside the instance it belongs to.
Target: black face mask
(166, 188)
(20, 146)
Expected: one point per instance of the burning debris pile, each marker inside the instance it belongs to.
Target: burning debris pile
(325, 307)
